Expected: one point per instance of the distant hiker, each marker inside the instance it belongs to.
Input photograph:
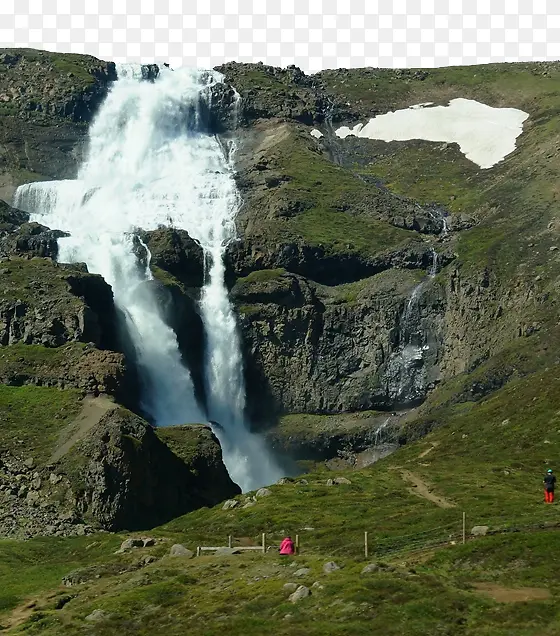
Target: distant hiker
(287, 546)
(549, 481)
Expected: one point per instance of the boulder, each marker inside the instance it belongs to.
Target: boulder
(301, 593)
(263, 492)
(370, 567)
(97, 615)
(479, 531)
(230, 504)
(341, 481)
(330, 566)
(129, 544)
(302, 572)
(179, 550)
(290, 587)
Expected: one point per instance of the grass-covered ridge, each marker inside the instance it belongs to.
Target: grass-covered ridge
(485, 458)
(322, 205)
(34, 281)
(334, 203)
(28, 360)
(522, 85)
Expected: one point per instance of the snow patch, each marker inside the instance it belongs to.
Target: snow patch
(316, 133)
(486, 135)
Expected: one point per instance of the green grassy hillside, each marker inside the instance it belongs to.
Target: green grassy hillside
(486, 459)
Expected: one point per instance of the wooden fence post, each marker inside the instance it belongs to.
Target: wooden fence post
(198, 551)
(464, 527)
(366, 544)
(230, 541)
(264, 543)
(297, 544)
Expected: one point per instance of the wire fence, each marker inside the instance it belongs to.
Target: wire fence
(371, 544)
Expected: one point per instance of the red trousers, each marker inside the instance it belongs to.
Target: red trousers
(549, 496)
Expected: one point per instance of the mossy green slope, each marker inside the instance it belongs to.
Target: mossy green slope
(487, 458)
(320, 204)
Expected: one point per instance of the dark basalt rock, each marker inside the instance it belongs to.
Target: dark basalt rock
(176, 252)
(132, 479)
(150, 72)
(32, 239)
(268, 92)
(10, 219)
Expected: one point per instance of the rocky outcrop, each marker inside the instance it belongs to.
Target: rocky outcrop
(150, 72)
(176, 252)
(317, 264)
(43, 303)
(44, 85)
(10, 219)
(268, 92)
(345, 437)
(197, 446)
(46, 100)
(68, 366)
(128, 478)
(32, 239)
(113, 473)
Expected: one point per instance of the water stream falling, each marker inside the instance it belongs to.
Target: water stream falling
(151, 162)
(405, 368)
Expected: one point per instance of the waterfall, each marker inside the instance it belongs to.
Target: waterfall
(151, 162)
(405, 370)
(380, 431)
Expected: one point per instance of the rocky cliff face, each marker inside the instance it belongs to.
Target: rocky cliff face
(46, 102)
(315, 349)
(310, 207)
(130, 479)
(109, 469)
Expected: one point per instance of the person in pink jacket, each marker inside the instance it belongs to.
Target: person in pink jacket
(287, 546)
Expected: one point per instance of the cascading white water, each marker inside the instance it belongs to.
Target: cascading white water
(151, 163)
(405, 366)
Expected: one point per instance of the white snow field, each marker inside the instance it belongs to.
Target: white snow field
(486, 135)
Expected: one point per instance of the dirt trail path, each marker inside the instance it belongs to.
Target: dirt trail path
(428, 450)
(18, 616)
(94, 408)
(421, 489)
(512, 594)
